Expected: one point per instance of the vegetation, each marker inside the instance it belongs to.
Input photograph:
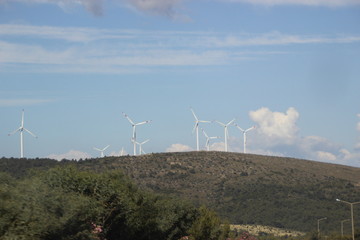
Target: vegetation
(64, 203)
(242, 188)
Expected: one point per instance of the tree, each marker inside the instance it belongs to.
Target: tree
(208, 226)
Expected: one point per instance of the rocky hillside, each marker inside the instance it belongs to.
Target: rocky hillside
(245, 188)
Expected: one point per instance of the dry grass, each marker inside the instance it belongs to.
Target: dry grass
(257, 229)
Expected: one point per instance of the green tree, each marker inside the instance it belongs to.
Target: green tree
(208, 226)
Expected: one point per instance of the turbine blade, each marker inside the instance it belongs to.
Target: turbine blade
(204, 121)
(30, 133)
(97, 149)
(14, 131)
(22, 118)
(141, 123)
(249, 129)
(194, 114)
(222, 124)
(106, 147)
(127, 117)
(204, 133)
(145, 141)
(231, 122)
(239, 128)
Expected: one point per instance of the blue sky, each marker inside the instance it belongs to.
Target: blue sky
(289, 67)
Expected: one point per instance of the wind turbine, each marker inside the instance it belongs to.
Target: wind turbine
(133, 139)
(208, 140)
(122, 152)
(244, 133)
(21, 129)
(226, 133)
(101, 150)
(196, 128)
(141, 151)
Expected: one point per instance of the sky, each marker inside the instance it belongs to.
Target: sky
(288, 67)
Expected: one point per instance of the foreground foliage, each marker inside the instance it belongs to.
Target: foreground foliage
(246, 189)
(66, 204)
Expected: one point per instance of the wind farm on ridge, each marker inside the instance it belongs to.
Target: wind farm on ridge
(138, 145)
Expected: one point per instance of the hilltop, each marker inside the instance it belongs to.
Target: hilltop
(243, 188)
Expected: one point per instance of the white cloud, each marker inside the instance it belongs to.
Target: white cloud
(69, 34)
(266, 152)
(93, 6)
(357, 145)
(22, 102)
(168, 8)
(72, 154)
(277, 127)
(327, 3)
(277, 134)
(69, 49)
(316, 143)
(217, 146)
(121, 152)
(325, 156)
(275, 38)
(178, 147)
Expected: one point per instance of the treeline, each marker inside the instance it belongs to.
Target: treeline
(64, 203)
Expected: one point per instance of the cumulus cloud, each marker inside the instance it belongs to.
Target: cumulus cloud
(178, 147)
(277, 134)
(71, 155)
(277, 127)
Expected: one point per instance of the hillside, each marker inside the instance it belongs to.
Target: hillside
(244, 188)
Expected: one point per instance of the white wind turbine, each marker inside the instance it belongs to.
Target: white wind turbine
(21, 129)
(208, 140)
(122, 152)
(244, 133)
(141, 151)
(196, 128)
(226, 133)
(133, 139)
(101, 150)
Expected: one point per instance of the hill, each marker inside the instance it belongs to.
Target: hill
(244, 188)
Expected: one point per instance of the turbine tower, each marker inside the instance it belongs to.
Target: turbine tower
(244, 133)
(196, 128)
(141, 151)
(101, 150)
(122, 152)
(208, 140)
(21, 129)
(226, 133)
(133, 139)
